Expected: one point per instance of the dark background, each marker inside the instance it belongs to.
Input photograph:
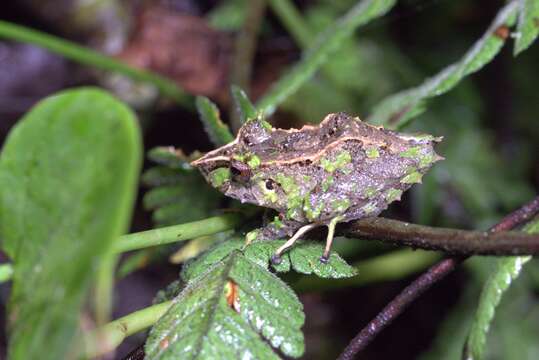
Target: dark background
(494, 113)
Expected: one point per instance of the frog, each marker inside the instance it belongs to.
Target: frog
(339, 170)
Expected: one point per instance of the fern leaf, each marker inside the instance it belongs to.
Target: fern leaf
(396, 110)
(507, 270)
(528, 25)
(218, 132)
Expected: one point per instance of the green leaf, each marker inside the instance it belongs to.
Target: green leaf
(87, 56)
(528, 24)
(214, 255)
(179, 193)
(226, 313)
(244, 106)
(218, 132)
(303, 257)
(396, 110)
(507, 270)
(68, 175)
(170, 157)
(324, 46)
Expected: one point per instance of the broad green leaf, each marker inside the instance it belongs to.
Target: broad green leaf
(528, 24)
(507, 270)
(396, 110)
(68, 175)
(213, 125)
(244, 106)
(325, 45)
(228, 312)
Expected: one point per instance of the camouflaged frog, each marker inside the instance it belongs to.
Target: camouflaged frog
(341, 170)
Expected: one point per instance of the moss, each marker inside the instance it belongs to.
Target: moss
(340, 205)
(287, 183)
(426, 159)
(277, 223)
(392, 195)
(294, 201)
(369, 208)
(411, 153)
(341, 160)
(327, 183)
(370, 192)
(266, 125)
(412, 178)
(251, 236)
(372, 153)
(253, 161)
(219, 176)
(271, 197)
(312, 213)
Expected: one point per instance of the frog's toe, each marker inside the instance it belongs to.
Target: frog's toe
(276, 259)
(324, 259)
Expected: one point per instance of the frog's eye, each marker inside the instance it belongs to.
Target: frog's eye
(270, 184)
(240, 172)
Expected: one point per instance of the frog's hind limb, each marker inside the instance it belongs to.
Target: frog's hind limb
(329, 240)
(276, 258)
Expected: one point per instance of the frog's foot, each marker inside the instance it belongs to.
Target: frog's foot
(276, 258)
(331, 233)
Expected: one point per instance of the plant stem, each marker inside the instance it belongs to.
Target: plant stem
(245, 47)
(387, 267)
(434, 274)
(326, 44)
(106, 338)
(450, 241)
(292, 21)
(86, 56)
(175, 233)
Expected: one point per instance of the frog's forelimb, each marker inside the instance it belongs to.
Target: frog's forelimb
(329, 240)
(276, 258)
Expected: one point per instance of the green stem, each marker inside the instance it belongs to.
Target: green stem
(326, 44)
(245, 48)
(175, 233)
(106, 338)
(392, 266)
(86, 56)
(293, 22)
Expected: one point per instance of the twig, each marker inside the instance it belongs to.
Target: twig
(170, 234)
(245, 51)
(450, 241)
(87, 56)
(106, 338)
(434, 274)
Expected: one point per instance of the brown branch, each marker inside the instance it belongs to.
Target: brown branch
(434, 274)
(450, 241)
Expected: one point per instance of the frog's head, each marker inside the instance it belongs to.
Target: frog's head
(238, 170)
